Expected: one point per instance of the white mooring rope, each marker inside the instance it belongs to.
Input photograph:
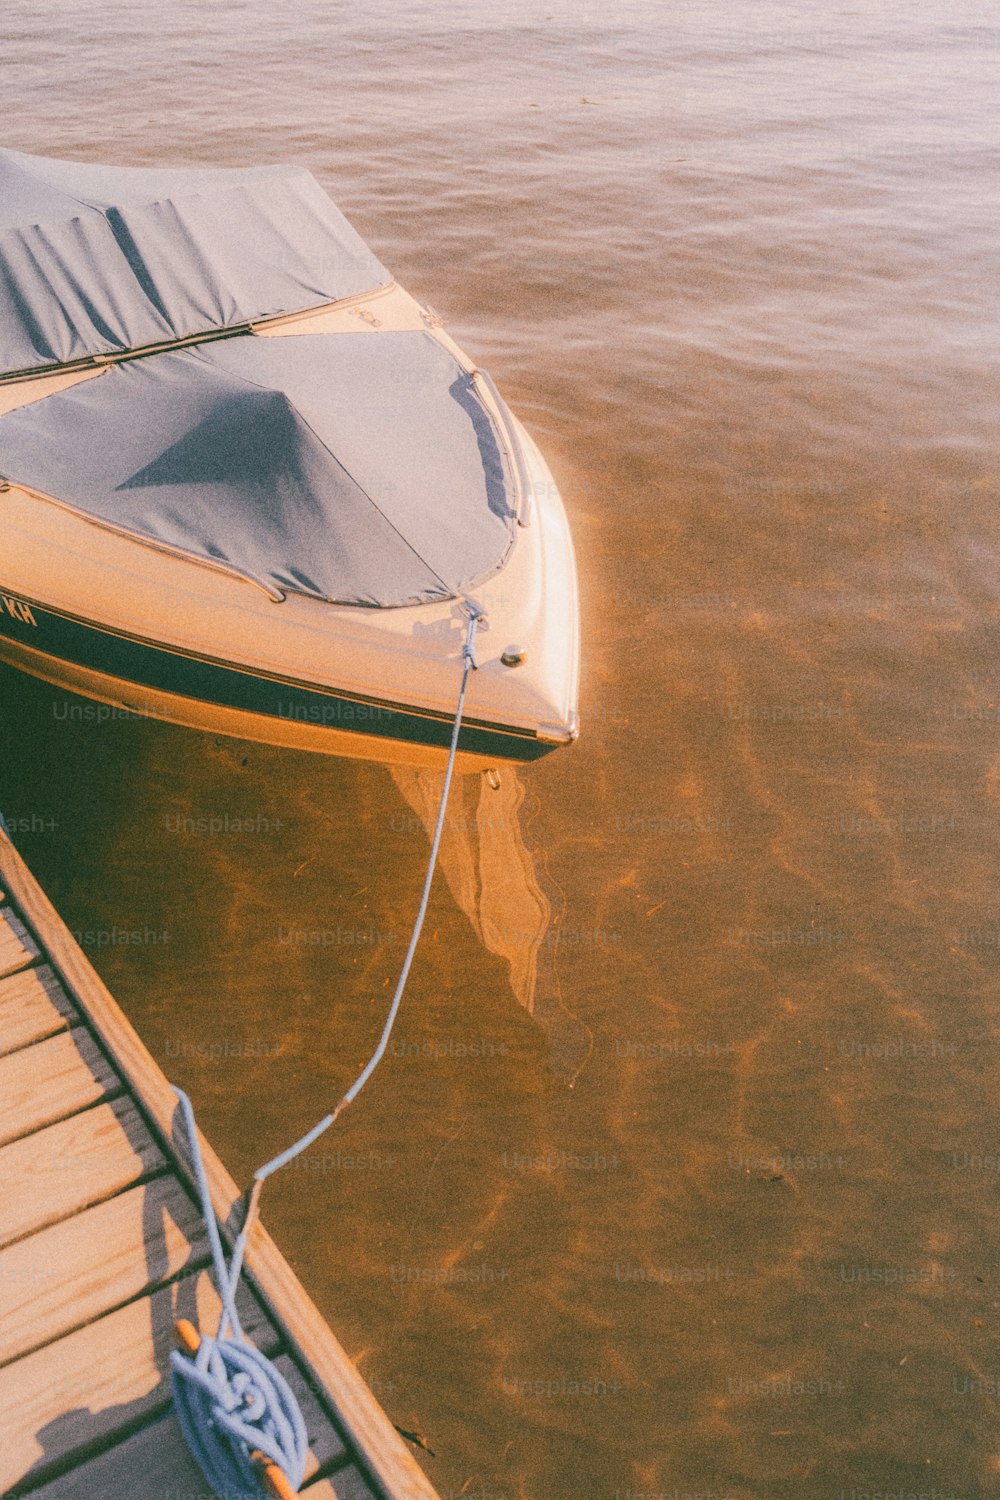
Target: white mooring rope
(238, 1416)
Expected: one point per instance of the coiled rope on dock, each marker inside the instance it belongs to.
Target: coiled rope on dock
(239, 1417)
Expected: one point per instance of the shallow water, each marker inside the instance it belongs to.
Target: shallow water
(681, 1175)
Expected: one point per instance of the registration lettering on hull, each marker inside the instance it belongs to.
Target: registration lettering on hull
(18, 610)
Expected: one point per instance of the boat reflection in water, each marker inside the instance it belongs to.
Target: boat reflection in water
(492, 878)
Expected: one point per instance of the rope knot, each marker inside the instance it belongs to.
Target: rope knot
(250, 1397)
(235, 1408)
(476, 618)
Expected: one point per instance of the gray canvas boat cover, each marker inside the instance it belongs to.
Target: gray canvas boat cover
(97, 260)
(356, 468)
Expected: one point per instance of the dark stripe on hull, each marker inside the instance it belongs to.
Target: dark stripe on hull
(144, 665)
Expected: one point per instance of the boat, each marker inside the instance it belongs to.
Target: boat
(248, 484)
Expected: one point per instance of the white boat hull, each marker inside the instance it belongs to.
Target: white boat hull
(125, 624)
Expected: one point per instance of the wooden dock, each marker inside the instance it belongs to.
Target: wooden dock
(102, 1248)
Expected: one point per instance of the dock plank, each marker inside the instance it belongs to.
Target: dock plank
(50, 1080)
(56, 1172)
(33, 1005)
(76, 1270)
(99, 1381)
(17, 947)
(375, 1449)
(154, 1463)
(156, 1458)
(325, 1443)
(345, 1484)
